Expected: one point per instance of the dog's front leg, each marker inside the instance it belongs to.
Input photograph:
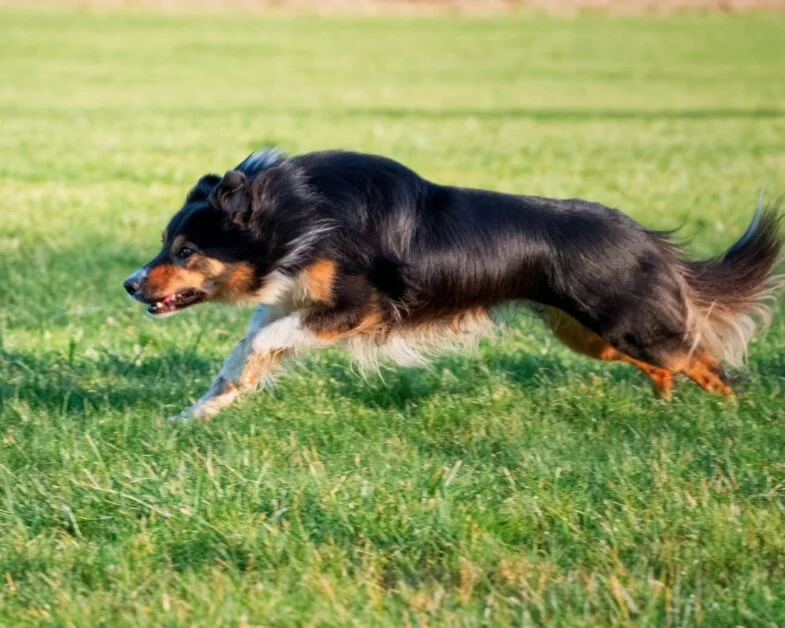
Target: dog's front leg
(254, 357)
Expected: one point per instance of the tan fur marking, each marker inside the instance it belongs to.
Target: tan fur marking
(369, 325)
(414, 344)
(219, 280)
(577, 337)
(168, 278)
(329, 335)
(159, 277)
(452, 329)
(222, 386)
(701, 368)
(661, 378)
(260, 365)
(177, 244)
(319, 278)
(239, 279)
(582, 340)
(705, 371)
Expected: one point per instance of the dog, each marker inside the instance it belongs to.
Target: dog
(339, 247)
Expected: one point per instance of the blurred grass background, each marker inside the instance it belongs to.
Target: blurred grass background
(525, 484)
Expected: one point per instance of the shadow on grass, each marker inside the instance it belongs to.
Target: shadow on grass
(166, 383)
(771, 366)
(399, 388)
(160, 382)
(50, 382)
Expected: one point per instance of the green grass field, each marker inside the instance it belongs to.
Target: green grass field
(524, 485)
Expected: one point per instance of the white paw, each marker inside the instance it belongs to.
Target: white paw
(185, 415)
(207, 407)
(177, 418)
(196, 411)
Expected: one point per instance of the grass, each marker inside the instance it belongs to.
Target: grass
(525, 485)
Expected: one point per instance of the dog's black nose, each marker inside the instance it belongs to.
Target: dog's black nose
(131, 285)
(135, 281)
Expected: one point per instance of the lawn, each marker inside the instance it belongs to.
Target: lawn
(523, 484)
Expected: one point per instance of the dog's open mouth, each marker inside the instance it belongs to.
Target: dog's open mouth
(172, 303)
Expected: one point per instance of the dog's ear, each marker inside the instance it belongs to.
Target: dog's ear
(203, 188)
(233, 195)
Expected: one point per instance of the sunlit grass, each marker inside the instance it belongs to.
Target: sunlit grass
(525, 484)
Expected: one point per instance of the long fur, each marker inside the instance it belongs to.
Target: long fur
(731, 296)
(411, 262)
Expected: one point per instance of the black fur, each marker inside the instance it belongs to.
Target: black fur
(421, 252)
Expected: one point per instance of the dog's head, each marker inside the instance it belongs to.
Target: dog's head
(210, 252)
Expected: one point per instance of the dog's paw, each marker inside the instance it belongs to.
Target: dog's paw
(185, 415)
(200, 410)
(194, 412)
(211, 404)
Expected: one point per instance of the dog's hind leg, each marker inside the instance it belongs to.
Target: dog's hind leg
(705, 371)
(584, 341)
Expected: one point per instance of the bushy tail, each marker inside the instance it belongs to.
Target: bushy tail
(730, 296)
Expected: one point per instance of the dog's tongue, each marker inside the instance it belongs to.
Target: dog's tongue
(167, 304)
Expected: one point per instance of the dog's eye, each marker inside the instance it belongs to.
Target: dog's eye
(185, 252)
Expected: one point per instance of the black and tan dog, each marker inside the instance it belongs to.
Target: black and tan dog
(340, 247)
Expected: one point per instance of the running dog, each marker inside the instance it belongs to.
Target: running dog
(340, 247)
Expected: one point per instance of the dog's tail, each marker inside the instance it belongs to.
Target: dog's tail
(730, 296)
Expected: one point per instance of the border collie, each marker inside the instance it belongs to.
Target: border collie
(346, 248)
